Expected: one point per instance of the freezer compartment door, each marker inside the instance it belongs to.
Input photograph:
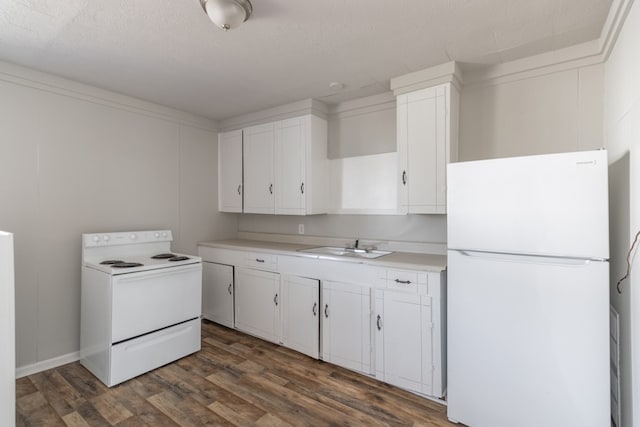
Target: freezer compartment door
(553, 204)
(528, 341)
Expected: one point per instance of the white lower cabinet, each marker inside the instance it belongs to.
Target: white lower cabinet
(409, 332)
(257, 305)
(403, 340)
(346, 325)
(387, 322)
(300, 314)
(217, 293)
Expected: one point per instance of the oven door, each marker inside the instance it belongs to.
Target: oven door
(147, 301)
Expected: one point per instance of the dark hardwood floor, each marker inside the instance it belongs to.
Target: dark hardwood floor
(234, 380)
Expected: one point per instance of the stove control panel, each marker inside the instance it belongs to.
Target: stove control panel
(125, 238)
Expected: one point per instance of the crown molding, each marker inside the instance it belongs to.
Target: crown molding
(581, 55)
(613, 25)
(449, 72)
(28, 77)
(287, 111)
(360, 106)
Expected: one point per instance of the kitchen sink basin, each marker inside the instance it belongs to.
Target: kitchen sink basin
(349, 253)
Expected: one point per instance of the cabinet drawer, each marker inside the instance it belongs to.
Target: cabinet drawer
(262, 261)
(406, 280)
(139, 355)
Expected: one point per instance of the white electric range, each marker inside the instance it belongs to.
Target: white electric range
(140, 305)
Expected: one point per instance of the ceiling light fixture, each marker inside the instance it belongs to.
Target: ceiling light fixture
(227, 14)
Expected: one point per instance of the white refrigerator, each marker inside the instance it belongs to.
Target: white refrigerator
(528, 291)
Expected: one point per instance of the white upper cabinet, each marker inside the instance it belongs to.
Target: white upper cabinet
(285, 168)
(290, 166)
(301, 166)
(427, 141)
(230, 171)
(259, 182)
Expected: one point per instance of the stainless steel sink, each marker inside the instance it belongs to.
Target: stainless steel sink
(350, 253)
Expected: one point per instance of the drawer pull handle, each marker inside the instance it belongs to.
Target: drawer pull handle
(270, 188)
(259, 260)
(404, 177)
(229, 288)
(302, 188)
(378, 324)
(403, 282)
(239, 189)
(314, 310)
(326, 311)
(275, 300)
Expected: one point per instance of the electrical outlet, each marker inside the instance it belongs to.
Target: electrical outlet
(300, 228)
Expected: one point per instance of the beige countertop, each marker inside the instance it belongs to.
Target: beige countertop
(409, 260)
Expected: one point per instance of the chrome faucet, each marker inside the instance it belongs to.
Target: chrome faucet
(355, 247)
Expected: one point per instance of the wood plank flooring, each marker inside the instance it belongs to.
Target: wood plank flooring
(235, 380)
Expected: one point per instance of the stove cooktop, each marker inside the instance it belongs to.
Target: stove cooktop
(163, 256)
(140, 262)
(126, 265)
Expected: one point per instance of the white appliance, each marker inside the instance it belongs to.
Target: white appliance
(528, 291)
(7, 332)
(141, 304)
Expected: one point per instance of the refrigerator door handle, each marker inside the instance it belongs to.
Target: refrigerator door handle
(534, 259)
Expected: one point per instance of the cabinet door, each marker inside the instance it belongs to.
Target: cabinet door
(346, 325)
(217, 293)
(259, 186)
(300, 314)
(423, 150)
(422, 138)
(291, 144)
(230, 171)
(405, 327)
(257, 303)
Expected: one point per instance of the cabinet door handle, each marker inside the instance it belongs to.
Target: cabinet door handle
(270, 188)
(259, 260)
(378, 324)
(302, 188)
(403, 282)
(326, 311)
(404, 177)
(239, 186)
(229, 288)
(314, 310)
(275, 300)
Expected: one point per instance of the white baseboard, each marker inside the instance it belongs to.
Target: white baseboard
(34, 368)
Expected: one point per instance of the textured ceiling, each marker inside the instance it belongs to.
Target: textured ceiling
(168, 52)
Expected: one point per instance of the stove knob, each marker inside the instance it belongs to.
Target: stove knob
(133, 237)
(106, 238)
(164, 234)
(156, 235)
(96, 238)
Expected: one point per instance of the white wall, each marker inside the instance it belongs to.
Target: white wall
(363, 127)
(622, 134)
(546, 113)
(76, 159)
(406, 228)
